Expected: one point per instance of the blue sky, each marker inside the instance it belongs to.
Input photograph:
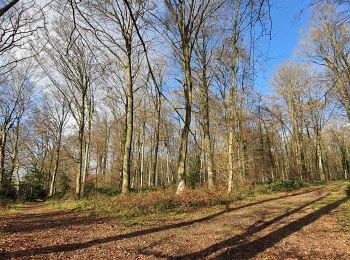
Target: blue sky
(290, 18)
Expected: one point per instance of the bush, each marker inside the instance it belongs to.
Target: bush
(58, 195)
(193, 176)
(63, 182)
(8, 193)
(146, 203)
(347, 191)
(109, 191)
(280, 186)
(33, 186)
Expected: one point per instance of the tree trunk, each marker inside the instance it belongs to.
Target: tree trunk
(2, 157)
(81, 149)
(129, 125)
(87, 144)
(79, 182)
(230, 161)
(181, 168)
(14, 156)
(319, 162)
(58, 151)
(142, 168)
(156, 148)
(206, 126)
(232, 110)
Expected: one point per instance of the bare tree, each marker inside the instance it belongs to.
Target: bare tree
(249, 21)
(182, 25)
(20, 21)
(15, 93)
(328, 44)
(7, 6)
(57, 115)
(114, 29)
(72, 74)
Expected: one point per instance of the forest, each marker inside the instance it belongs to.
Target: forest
(152, 129)
(133, 95)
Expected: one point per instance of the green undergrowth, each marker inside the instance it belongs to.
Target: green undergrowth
(156, 204)
(285, 186)
(347, 191)
(10, 209)
(344, 213)
(136, 206)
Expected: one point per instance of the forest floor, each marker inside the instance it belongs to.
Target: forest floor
(310, 223)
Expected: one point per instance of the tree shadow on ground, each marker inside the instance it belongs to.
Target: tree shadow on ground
(91, 243)
(38, 222)
(238, 248)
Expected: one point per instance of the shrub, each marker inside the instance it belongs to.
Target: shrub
(109, 191)
(8, 193)
(33, 186)
(193, 176)
(347, 191)
(280, 186)
(148, 202)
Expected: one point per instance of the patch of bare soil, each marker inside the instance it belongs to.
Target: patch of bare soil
(298, 225)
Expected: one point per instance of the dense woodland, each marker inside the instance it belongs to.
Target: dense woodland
(143, 94)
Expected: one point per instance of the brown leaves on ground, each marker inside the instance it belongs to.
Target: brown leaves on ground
(303, 224)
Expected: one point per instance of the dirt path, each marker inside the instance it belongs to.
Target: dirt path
(303, 224)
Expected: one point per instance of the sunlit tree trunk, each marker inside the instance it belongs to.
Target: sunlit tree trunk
(181, 169)
(129, 123)
(157, 132)
(232, 118)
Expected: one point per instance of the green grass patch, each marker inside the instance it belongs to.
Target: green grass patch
(347, 191)
(154, 204)
(11, 209)
(137, 207)
(344, 217)
(283, 186)
(344, 213)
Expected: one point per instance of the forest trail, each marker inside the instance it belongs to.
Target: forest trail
(301, 224)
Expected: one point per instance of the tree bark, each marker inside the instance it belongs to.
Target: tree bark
(129, 125)
(87, 148)
(3, 140)
(232, 110)
(156, 148)
(206, 126)
(181, 168)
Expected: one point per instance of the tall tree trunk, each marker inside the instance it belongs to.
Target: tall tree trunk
(87, 148)
(81, 146)
(58, 151)
(57, 160)
(230, 161)
(168, 164)
(206, 125)
(181, 168)
(142, 168)
(156, 148)
(232, 110)
(129, 125)
(81, 151)
(14, 156)
(3, 139)
(319, 162)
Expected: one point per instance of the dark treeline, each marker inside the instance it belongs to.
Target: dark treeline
(138, 94)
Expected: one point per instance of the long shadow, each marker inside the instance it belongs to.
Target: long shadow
(34, 216)
(83, 245)
(251, 249)
(236, 248)
(45, 221)
(251, 230)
